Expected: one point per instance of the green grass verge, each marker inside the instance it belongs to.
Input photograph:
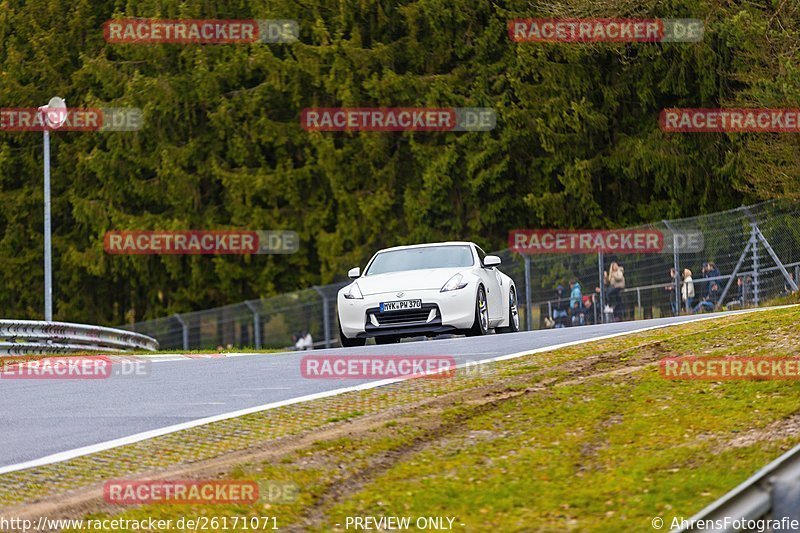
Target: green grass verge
(589, 438)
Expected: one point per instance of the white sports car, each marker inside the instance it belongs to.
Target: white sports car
(426, 289)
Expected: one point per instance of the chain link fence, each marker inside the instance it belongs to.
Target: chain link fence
(756, 251)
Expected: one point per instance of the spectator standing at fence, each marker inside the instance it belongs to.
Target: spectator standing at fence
(575, 296)
(687, 289)
(671, 291)
(615, 280)
(700, 287)
(560, 308)
(712, 273)
(586, 314)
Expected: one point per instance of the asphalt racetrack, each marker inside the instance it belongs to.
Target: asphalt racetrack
(45, 420)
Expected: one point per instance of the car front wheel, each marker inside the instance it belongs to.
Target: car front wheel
(481, 324)
(350, 343)
(513, 313)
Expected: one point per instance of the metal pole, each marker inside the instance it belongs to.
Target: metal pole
(528, 317)
(48, 266)
(600, 270)
(639, 301)
(326, 324)
(733, 277)
(754, 241)
(256, 324)
(185, 329)
(676, 265)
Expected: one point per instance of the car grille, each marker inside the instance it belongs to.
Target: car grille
(406, 317)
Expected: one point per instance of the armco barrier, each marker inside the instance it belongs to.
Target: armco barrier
(29, 337)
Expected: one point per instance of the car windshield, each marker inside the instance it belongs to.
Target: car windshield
(421, 258)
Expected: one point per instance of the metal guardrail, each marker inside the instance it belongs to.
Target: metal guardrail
(772, 493)
(29, 337)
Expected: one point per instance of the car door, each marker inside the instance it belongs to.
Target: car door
(494, 292)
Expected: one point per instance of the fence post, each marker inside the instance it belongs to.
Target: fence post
(754, 241)
(256, 323)
(600, 270)
(185, 329)
(797, 274)
(639, 302)
(528, 317)
(326, 323)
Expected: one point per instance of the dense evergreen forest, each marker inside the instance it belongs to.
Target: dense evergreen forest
(577, 141)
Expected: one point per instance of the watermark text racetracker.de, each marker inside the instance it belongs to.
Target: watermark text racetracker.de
(196, 242)
(398, 119)
(198, 491)
(377, 366)
(571, 30)
(77, 367)
(74, 119)
(730, 368)
(199, 31)
(735, 120)
(638, 241)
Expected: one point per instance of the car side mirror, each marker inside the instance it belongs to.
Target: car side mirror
(491, 261)
(354, 273)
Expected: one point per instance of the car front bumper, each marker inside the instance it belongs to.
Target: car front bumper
(442, 312)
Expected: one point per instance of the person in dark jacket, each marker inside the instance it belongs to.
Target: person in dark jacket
(561, 308)
(710, 271)
(710, 301)
(670, 288)
(586, 313)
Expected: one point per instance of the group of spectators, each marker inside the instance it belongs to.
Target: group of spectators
(701, 295)
(696, 295)
(577, 309)
(571, 310)
(705, 293)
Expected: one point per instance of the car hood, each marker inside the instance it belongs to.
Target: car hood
(408, 280)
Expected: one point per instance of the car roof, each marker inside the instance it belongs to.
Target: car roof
(427, 245)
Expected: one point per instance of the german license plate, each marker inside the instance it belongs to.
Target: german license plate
(401, 305)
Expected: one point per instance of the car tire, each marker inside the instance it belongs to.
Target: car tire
(350, 343)
(387, 340)
(481, 324)
(513, 313)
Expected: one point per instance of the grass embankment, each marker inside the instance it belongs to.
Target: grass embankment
(588, 438)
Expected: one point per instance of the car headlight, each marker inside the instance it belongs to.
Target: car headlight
(454, 283)
(354, 293)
